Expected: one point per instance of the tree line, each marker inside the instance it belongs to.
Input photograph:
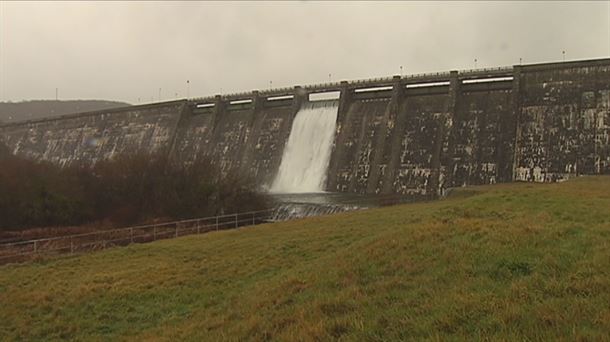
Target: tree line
(128, 189)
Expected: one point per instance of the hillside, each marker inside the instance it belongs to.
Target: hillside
(37, 109)
(505, 262)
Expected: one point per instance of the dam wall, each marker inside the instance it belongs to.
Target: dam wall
(415, 134)
(94, 136)
(564, 122)
(247, 133)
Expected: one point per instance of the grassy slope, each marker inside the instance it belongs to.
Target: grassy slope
(511, 262)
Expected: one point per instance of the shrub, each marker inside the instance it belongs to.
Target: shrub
(128, 189)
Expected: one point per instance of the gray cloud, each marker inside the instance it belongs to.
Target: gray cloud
(128, 50)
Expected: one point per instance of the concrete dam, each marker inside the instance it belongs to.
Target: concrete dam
(415, 134)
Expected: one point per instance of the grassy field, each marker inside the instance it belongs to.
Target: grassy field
(504, 262)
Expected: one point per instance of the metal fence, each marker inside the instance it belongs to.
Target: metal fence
(78, 243)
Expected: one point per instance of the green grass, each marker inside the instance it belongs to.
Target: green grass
(504, 262)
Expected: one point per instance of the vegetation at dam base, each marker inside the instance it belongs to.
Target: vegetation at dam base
(128, 189)
(504, 262)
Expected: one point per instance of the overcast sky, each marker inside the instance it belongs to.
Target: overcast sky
(128, 50)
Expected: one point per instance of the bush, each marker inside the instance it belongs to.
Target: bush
(128, 189)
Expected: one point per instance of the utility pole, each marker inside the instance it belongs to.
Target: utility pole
(188, 89)
(401, 71)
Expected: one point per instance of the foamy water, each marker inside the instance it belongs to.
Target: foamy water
(307, 152)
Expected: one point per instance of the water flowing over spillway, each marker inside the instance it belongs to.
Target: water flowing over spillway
(307, 152)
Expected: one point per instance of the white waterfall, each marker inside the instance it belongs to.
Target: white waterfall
(307, 152)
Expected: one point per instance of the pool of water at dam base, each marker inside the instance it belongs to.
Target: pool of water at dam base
(290, 206)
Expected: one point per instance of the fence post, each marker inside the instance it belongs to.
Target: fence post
(176, 235)
(131, 234)
(198, 228)
(154, 233)
(235, 220)
(216, 222)
(71, 245)
(35, 246)
(253, 218)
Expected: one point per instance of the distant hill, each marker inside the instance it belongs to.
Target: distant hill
(37, 109)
